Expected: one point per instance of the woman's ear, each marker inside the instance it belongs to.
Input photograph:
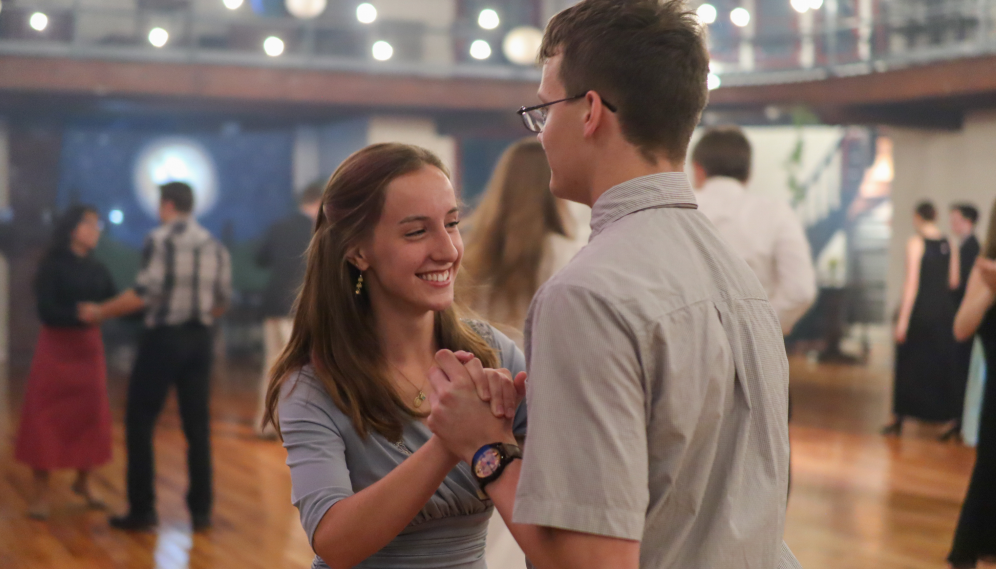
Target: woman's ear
(356, 258)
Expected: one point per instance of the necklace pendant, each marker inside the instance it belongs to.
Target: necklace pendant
(419, 399)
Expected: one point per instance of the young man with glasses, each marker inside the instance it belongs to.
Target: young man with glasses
(658, 382)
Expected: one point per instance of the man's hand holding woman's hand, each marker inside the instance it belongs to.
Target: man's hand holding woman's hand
(495, 386)
(472, 406)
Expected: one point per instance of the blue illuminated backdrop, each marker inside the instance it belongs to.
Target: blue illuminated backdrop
(253, 171)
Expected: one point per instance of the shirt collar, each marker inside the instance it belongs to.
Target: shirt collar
(722, 185)
(666, 189)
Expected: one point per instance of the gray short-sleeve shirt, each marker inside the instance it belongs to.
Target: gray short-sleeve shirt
(329, 461)
(658, 388)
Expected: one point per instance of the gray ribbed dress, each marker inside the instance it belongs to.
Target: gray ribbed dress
(329, 461)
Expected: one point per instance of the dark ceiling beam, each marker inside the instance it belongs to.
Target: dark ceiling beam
(943, 80)
(240, 84)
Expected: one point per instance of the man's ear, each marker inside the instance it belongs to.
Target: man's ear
(595, 115)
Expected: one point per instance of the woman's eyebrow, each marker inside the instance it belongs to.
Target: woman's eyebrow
(412, 218)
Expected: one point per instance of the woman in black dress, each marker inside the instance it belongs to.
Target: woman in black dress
(66, 417)
(975, 538)
(926, 352)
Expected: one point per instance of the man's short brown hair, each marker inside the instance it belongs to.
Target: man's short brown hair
(724, 151)
(180, 194)
(646, 57)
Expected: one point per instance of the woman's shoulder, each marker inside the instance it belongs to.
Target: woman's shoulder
(508, 351)
(303, 390)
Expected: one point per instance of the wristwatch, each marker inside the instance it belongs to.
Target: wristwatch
(490, 461)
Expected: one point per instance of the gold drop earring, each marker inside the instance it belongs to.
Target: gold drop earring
(359, 284)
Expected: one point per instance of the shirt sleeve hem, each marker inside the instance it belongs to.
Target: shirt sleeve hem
(595, 520)
(316, 512)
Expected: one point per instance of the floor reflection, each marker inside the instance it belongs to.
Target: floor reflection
(173, 548)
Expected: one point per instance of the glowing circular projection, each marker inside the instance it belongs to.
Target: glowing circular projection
(115, 216)
(521, 45)
(707, 13)
(801, 6)
(740, 17)
(488, 19)
(382, 51)
(232, 4)
(273, 46)
(713, 81)
(480, 49)
(174, 159)
(305, 9)
(38, 21)
(815, 4)
(366, 13)
(158, 37)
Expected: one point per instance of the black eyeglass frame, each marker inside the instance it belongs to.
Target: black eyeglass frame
(524, 110)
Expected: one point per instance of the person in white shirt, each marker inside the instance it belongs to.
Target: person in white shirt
(764, 231)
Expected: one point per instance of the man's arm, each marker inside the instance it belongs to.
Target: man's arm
(796, 287)
(582, 487)
(456, 406)
(148, 284)
(552, 548)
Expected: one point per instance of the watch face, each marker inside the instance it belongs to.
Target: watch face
(487, 464)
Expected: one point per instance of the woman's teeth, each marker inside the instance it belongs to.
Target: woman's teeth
(439, 277)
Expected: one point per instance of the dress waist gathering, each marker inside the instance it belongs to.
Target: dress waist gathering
(454, 542)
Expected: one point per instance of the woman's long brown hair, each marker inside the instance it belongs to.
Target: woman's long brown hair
(334, 327)
(508, 232)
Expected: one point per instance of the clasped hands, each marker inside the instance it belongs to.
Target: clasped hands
(472, 405)
(88, 312)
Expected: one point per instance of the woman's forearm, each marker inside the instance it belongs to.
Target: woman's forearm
(978, 300)
(359, 526)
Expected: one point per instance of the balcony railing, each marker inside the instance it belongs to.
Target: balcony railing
(198, 31)
(779, 45)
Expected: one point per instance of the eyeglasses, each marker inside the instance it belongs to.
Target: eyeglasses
(535, 117)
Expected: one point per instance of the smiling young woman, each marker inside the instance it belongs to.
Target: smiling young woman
(348, 393)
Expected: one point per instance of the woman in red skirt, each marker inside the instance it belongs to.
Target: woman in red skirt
(66, 419)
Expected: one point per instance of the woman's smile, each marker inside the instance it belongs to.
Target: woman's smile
(438, 278)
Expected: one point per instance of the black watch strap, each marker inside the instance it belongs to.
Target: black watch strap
(490, 461)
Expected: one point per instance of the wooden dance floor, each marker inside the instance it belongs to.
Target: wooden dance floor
(858, 500)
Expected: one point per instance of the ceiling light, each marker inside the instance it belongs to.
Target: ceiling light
(116, 216)
(273, 46)
(521, 45)
(488, 19)
(815, 4)
(233, 4)
(480, 49)
(38, 21)
(801, 6)
(707, 13)
(740, 17)
(382, 51)
(713, 82)
(366, 13)
(158, 37)
(305, 9)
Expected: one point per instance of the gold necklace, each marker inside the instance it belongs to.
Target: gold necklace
(420, 398)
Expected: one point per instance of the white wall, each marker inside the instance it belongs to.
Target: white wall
(772, 146)
(944, 167)
(413, 130)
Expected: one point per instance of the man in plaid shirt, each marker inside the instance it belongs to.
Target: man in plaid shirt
(184, 285)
